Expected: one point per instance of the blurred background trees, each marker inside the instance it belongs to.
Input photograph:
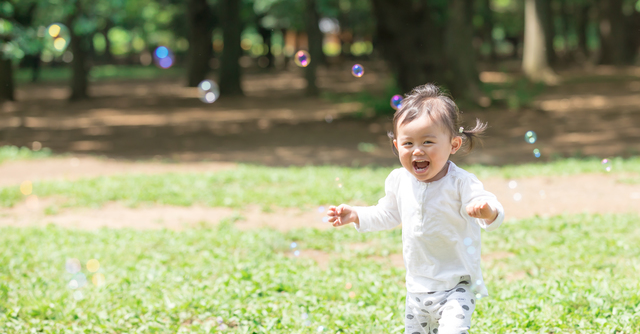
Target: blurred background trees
(419, 40)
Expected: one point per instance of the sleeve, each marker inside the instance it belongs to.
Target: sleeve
(384, 215)
(473, 191)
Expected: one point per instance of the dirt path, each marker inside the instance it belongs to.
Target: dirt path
(522, 198)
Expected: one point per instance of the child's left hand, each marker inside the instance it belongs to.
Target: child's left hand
(482, 210)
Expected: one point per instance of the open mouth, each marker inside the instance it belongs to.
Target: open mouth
(421, 166)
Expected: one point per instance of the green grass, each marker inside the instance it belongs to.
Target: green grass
(272, 186)
(581, 277)
(101, 72)
(13, 153)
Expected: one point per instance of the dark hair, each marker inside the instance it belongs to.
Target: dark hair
(430, 100)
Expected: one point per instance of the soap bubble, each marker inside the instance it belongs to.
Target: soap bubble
(471, 250)
(348, 286)
(320, 328)
(77, 295)
(93, 265)
(57, 38)
(357, 70)
(517, 197)
(163, 57)
(321, 209)
(396, 101)
(513, 184)
(302, 58)
(208, 91)
(530, 137)
(325, 219)
(328, 118)
(296, 253)
(73, 266)
(293, 245)
(606, 164)
(536, 153)
(305, 316)
(467, 241)
(98, 279)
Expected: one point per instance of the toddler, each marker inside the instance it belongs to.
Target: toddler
(441, 208)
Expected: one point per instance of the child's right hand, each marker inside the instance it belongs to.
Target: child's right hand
(342, 215)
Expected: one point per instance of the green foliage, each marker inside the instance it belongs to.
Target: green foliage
(566, 274)
(515, 95)
(103, 72)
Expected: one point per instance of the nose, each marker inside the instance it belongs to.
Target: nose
(418, 151)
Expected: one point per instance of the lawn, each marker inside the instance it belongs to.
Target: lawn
(578, 275)
(564, 274)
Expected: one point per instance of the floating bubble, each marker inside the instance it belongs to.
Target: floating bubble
(98, 279)
(396, 101)
(320, 328)
(530, 137)
(478, 296)
(36, 146)
(26, 187)
(339, 185)
(471, 250)
(321, 209)
(328, 118)
(467, 241)
(57, 38)
(54, 30)
(219, 320)
(77, 295)
(162, 52)
(325, 219)
(357, 70)
(536, 153)
(302, 58)
(163, 57)
(93, 265)
(348, 286)
(293, 245)
(337, 179)
(305, 316)
(307, 323)
(479, 282)
(296, 253)
(73, 266)
(517, 197)
(80, 278)
(513, 184)
(606, 164)
(352, 295)
(73, 284)
(208, 91)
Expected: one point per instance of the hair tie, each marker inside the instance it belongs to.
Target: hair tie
(461, 129)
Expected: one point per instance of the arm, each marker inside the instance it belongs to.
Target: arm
(481, 204)
(383, 216)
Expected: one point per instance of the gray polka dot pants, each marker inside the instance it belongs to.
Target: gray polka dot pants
(441, 312)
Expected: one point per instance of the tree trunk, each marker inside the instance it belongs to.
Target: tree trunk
(582, 23)
(461, 56)
(545, 15)
(108, 55)
(534, 61)
(612, 32)
(200, 41)
(315, 51)
(487, 28)
(633, 40)
(7, 91)
(80, 66)
(266, 39)
(229, 66)
(411, 41)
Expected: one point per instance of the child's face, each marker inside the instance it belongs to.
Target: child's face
(424, 148)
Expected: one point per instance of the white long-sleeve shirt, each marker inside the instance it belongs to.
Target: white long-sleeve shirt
(440, 241)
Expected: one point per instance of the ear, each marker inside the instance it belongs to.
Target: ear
(456, 143)
(395, 143)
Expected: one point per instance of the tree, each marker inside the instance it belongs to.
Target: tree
(231, 32)
(315, 50)
(428, 41)
(200, 20)
(535, 63)
(612, 32)
(460, 53)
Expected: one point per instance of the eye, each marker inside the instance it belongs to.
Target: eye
(428, 142)
(407, 143)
